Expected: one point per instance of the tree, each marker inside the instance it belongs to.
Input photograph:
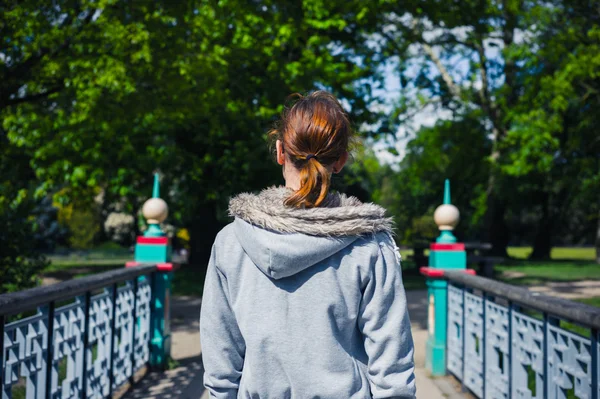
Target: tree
(103, 93)
(21, 235)
(554, 138)
(450, 149)
(446, 48)
(511, 61)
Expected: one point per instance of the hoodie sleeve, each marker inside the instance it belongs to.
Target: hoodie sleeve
(222, 344)
(384, 322)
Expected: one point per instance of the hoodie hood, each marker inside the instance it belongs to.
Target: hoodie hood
(283, 241)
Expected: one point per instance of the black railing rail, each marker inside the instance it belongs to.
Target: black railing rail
(21, 301)
(576, 312)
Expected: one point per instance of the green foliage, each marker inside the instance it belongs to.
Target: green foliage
(451, 149)
(104, 93)
(21, 233)
(20, 261)
(527, 73)
(98, 95)
(83, 226)
(425, 227)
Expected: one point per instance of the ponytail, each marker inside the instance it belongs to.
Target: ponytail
(315, 133)
(314, 185)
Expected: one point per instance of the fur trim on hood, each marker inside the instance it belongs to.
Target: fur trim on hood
(339, 215)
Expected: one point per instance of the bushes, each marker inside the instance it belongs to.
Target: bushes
(20, 260)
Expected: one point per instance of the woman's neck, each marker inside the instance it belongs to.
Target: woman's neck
(292, 177)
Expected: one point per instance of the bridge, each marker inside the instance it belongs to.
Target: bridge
(122, 334)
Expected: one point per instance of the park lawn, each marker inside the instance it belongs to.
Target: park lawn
(535, 273)
(186, 281)
(593, 301)
(557, 253)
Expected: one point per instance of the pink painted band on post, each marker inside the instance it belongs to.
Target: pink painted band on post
(459, 246)
(153, 240)
(164, 267)
(438, 273)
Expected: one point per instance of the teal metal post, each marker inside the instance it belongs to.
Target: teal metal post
(155, 247)
(445, 253)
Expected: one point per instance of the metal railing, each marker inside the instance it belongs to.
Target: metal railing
(507, 342)
(86, 339)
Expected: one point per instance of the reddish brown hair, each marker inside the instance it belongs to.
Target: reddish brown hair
(316, 124)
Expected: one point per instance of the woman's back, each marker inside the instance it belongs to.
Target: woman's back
(303, 297)
(310, 303)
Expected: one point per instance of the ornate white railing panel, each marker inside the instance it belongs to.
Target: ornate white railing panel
(543, 361)
(528, 357)
(569, 364)
(141, 349)
(25, 356)
(473, 368)
(92, 352)
(455, 331)
(98, 351)
(69, 329)
(497, 355)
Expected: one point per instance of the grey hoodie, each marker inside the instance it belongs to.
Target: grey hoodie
(305, 303)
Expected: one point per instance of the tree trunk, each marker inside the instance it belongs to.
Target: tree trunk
(497, 230)
(543, 236)
(598, 240)
(203, 230)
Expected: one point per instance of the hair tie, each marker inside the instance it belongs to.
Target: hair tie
(311, 156)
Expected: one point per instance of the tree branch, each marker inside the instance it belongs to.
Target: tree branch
(488, 105)
(446, 77)
(414, 112)
(454, 89)
(31, 97)
(452, 86)
(23, 70)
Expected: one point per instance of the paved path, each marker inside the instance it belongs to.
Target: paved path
(185, 381)
(570, 289)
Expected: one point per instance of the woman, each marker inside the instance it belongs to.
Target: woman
(303, 297)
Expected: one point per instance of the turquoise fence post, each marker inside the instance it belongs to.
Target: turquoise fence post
(155, 247)
(445, 253)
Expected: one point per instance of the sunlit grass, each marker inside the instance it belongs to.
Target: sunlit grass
(576, 328)
(557, 253)
(533, 273)
(189, 281)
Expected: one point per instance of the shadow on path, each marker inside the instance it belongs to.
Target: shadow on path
(184, 381)
(417, 308)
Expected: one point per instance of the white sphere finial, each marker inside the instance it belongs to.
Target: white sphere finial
(155, 210)
(446, 216)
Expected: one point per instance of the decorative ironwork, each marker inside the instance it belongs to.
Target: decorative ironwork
(474, 345)
(569, 364)
(141, 349)
(527, 357)
(455, 331)
(542, 361)
(69, 329)
(25, 347)
(98, 351)
(497, 353)
(80, 347)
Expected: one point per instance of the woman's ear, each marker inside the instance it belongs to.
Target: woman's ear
(339, 164)
(280, 153)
